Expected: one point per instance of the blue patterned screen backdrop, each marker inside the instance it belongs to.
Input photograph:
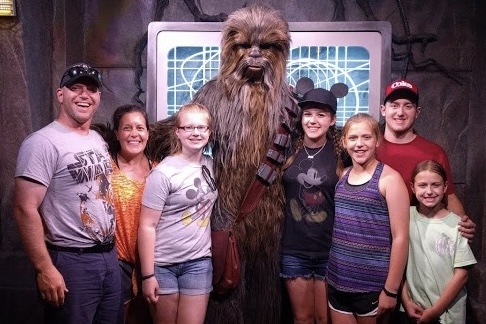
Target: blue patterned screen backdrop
(189, 67)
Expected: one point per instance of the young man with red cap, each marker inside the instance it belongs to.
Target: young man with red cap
(64, 208)
(402, 148)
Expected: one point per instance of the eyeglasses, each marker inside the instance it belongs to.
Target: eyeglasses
(191, 129)
(78, 70)
(209, 179)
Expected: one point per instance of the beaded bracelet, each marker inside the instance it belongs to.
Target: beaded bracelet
(389, 293)
(148, 276)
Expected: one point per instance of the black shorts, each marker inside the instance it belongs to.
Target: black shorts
(359, 304)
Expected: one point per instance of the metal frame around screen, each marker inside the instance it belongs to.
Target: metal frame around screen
(318, 50)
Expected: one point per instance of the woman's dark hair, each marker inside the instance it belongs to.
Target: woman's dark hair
(332, 134)
(125, 109)
(121, 111)
(107, 131)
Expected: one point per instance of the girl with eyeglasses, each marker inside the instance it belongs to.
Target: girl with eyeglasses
(174, 236)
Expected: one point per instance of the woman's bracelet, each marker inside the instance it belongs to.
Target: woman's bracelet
(389, 293)
(148, 276)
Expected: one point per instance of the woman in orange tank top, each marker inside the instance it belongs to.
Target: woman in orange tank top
(127, 141)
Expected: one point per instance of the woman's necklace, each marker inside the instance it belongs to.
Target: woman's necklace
(312, 156)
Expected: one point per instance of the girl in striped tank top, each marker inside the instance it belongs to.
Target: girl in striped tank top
(370, 237)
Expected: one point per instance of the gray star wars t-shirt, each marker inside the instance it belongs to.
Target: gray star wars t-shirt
(77, 209)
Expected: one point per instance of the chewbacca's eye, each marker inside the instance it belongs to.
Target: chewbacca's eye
(243, 46)
(270, 46)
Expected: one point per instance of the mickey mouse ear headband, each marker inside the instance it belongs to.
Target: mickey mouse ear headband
(310, 97)
(302, 86)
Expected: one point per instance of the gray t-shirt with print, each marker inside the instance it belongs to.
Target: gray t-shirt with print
(77, 209)
(179, 190)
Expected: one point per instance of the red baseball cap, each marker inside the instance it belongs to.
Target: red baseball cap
(402, 89)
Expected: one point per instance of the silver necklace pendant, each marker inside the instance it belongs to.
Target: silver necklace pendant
(312, 156)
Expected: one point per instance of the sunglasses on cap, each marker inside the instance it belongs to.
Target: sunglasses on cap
(79, 71)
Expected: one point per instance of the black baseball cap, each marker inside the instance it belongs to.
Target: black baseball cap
(319, 98)
(80, 72)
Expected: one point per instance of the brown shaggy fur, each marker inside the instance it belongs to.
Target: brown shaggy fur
(246, 101)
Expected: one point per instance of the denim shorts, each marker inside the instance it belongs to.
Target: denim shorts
(194, 277)
(292, 267)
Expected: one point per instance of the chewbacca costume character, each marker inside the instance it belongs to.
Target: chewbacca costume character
(247, 102)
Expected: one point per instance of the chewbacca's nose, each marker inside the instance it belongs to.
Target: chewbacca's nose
(255, 51)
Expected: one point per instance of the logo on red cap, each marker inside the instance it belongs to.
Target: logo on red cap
(402, 85)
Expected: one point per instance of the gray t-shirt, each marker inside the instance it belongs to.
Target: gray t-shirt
(179, 190)
(77, 209)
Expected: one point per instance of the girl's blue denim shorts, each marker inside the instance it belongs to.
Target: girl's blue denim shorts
(292, 267)
(193, 277)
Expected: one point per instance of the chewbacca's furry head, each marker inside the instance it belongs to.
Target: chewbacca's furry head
(254, 47)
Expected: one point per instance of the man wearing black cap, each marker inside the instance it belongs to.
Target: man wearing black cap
(63, 208)
(403, 149)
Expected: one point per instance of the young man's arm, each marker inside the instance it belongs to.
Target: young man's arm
(28, 198)
(466, 226)
(455, 205)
